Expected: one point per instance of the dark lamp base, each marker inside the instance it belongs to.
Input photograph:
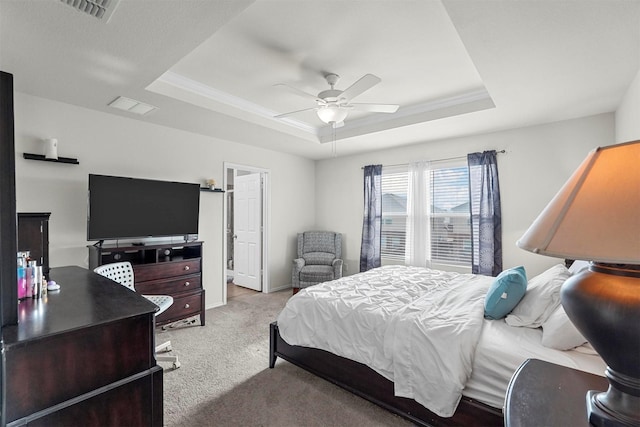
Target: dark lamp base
(602, 416)
(604, 304)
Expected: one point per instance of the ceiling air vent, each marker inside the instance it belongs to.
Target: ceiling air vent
(101, 9)
(131, 105)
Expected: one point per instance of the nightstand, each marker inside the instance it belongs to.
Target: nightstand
(545, 394)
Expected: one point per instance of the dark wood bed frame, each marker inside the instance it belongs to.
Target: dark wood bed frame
(368, 384)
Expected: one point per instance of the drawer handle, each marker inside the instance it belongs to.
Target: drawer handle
(187, 283)
(186, 267)
(187, 306)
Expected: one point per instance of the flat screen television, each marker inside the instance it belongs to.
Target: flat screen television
(123, 208)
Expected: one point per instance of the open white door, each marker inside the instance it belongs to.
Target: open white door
(247, 247)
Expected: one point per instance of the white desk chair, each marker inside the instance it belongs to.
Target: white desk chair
(122, 273)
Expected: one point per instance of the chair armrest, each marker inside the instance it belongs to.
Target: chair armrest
(298, 263)
(337, 268)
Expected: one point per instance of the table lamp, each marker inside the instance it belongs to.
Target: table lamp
(596, 217)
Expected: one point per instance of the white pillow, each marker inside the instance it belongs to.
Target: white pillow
(586, 349)
(540, 300)
(559, 332)
(578, 266)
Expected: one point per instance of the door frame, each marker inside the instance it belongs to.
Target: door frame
(265, 174)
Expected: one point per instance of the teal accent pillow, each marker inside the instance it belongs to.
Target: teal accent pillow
(505, 293)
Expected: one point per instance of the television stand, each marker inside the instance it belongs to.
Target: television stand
(162, 268)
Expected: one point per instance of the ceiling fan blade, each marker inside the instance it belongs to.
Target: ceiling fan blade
(298, 91)
(279, 116)
(376, 108)
(365, 83)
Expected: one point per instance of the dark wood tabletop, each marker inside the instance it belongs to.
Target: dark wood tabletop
(85, 298)
(545, 394)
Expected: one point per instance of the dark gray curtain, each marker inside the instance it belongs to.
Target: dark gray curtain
(371, 224)
(486, 217)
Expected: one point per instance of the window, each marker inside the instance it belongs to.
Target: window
(449, 213)
(394, 213)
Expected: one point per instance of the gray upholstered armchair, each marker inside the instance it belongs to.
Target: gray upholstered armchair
(319, 258)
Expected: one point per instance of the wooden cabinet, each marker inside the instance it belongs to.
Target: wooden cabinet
(33, 236)
(83, 355)
(162, 269)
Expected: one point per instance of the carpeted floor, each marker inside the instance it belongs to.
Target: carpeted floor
(225, 379)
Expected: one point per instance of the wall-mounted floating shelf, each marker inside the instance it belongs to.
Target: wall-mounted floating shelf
(41, 157)
(215, 190)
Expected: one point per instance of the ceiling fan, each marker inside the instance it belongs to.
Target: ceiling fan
(333, 105)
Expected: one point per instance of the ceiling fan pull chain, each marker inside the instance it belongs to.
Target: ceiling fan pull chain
(334, 150)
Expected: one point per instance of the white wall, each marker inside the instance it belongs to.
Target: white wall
(114, 145)
(538, 161)
(628, 114)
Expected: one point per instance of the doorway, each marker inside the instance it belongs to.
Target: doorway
(246, 229)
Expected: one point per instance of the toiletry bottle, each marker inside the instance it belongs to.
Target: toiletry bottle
(28, 290)
(22, 279)
(38, 282)
(31, 279)
(44, 283)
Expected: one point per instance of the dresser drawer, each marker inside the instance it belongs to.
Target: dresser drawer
(163, 270)
(71, 359)
(183, 306)
(170, 286)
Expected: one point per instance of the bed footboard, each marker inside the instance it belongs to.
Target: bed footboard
(368, 384)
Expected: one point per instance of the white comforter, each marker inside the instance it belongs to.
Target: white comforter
(415, 326)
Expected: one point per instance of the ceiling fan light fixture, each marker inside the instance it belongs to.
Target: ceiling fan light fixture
(332, 114)
(333, 105)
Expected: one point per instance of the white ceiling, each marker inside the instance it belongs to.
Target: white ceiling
(455, 67)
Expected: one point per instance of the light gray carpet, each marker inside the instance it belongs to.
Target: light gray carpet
(225, 378)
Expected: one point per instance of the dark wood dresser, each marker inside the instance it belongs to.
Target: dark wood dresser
(83, 355)
(162, 269)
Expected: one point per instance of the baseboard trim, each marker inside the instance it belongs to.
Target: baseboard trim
(279, 288)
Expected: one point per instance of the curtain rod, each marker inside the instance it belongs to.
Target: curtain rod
(439, 160)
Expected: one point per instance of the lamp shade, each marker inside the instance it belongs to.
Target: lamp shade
(596, 215)
(332, 113)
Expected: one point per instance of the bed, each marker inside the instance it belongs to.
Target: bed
(416, 341)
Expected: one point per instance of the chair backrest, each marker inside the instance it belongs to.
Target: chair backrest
(121, 272)
(320, 244)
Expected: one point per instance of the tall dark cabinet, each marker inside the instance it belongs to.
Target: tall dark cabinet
(33, 236)
(8, 244)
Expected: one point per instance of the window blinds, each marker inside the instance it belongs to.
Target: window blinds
(449, 214)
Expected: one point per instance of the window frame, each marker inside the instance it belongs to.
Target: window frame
(465, 264)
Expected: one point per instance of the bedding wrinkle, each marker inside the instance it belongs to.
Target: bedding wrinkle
(415, 326)
(434, 342)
